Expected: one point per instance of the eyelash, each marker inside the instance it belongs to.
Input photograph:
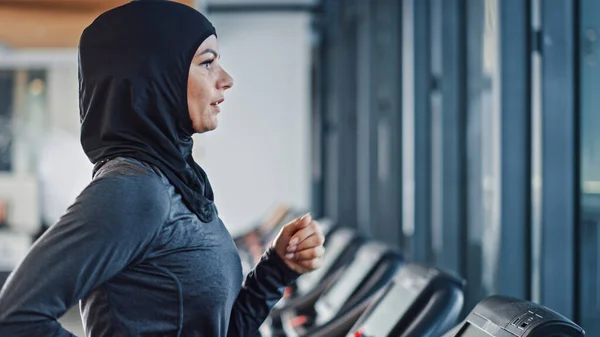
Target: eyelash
(206, 64)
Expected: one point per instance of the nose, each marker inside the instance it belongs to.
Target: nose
(226, 81)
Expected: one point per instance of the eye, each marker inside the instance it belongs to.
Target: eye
(206, 64)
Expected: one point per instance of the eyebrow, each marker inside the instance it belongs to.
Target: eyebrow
(210, 51)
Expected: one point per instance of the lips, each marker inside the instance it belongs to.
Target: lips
(215, 105)
(218, 102)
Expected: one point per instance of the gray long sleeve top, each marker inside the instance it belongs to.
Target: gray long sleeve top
(141, 264)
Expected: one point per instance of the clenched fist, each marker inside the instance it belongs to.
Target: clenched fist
(300, 244)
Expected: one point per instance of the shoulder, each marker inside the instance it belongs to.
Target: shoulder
(125, 191)
(130, 176)
(121, 211)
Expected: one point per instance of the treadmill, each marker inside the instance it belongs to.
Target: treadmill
(341, 246)
(419, 302)
(372, 268)
(501, 316)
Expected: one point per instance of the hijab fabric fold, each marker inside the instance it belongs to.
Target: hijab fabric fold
(134, 63)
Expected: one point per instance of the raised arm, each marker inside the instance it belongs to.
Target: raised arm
(298, 249)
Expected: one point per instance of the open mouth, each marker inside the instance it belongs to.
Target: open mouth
(218, 102)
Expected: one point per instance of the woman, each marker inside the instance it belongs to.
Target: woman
(142, 248)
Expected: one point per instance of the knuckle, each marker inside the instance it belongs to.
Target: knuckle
(321, 251)
(316, 263)
(310, 254)
(316, 241)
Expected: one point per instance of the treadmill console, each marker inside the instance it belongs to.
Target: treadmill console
(401, 303)
(332, 301)
(500, 316)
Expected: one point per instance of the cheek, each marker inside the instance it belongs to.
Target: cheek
(198, 93)
(198, 90)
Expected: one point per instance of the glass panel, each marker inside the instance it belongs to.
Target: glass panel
(589, 233)
(437, 126)
(417, 130)
(22, 109)
(554, 167)
(483, 153)
(490, 158)
(536, 159)
(408, 125)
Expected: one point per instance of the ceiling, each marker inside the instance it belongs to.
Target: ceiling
(50, 23)
(59, 23)
(73, 5)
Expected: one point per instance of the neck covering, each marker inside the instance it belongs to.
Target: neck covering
(134, 63)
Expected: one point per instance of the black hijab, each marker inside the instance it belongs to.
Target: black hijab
(134, 62)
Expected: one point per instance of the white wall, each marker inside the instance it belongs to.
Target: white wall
(260, 153)
(63, 96)
(257, 157)
(21, 194)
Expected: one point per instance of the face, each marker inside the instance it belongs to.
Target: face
(206, 86)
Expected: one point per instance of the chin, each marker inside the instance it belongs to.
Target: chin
(207, 128)
(214, 123)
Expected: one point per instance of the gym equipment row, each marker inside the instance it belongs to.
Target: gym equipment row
(365, 288)
(500, 316)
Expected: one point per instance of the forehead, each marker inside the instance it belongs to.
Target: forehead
(209, 43)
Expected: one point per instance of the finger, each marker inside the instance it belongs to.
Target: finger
(304, 233)
(295, 225)
(309, 254)
(311, 264)
(316, 239)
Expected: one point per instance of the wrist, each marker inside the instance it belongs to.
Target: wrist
(272, 257)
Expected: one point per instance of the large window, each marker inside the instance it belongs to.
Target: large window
(22, 104)
(589, 219)
(499, 144)
(483, 150)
